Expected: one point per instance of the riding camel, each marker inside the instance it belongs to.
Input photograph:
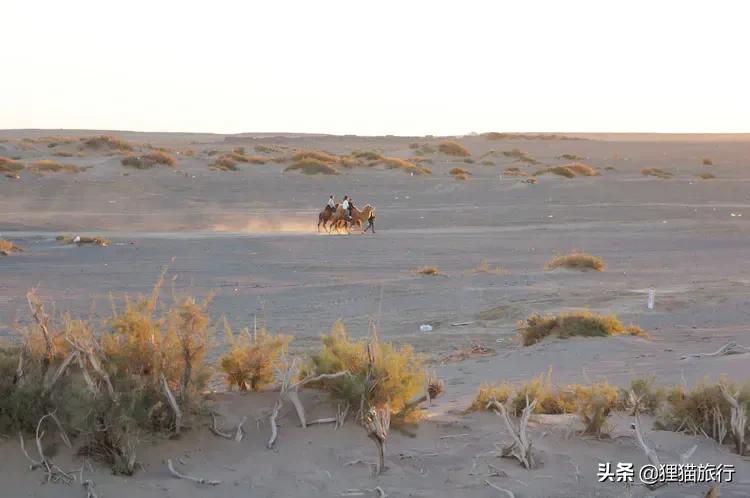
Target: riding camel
(358, 217)
(325, 216)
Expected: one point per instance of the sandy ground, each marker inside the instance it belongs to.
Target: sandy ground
(250, 237)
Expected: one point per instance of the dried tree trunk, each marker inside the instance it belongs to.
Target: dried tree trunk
(377, 423)
(738, 421)
(520, 448)
(172, 403)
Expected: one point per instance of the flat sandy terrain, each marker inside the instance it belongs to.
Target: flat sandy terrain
(250, 237)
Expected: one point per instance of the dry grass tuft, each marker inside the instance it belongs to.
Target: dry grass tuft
(242, 158)
(312, 166)
(8, 165)
(648, 397)
(452, 148)
(576, 260)
(530, 181)
(594, 403)
(223, 163)
(461, 177)
(458, 171)
(557, 170)
(149, 160)
(570, 157)
(107, 142)
(514, 171)
(7, 247)
(582, 169)
(267, 149)
(422, 149)
(403, 164)
(251, 360)
(707, 161)
(486, 162)
(485, 267)
(573, 323)
(659, 173)
(367, 155)
(47, 166)
(428, 271)
(317, 155)
(520, 155)
(490, 392)
(706, 176)
(96, 240)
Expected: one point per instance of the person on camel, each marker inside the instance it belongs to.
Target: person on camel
(332, 204)
(346, 207)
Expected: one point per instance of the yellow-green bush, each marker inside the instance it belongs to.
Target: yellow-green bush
(249, 363)
(573, 323)
(387, 375)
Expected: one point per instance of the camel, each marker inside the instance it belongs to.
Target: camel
(358, 217)
(325, 216)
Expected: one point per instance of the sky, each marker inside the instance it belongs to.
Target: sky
(376, 67)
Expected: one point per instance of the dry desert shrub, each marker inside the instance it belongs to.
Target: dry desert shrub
(312, 166)
(451, 148)
(380, 374)
(430, 271)
(520, 155)
(707, 161)
(706, 176)
(659, 173)
(488, 392)
(461, 177)
(576, 260)
(486, 162)
(106, 142)
(95, 240)
(570, 157)
(458, 171)
(367, 155)
(514, 171)
(557, 170)
(47, 166)
(530, 181)
(485, 267)
(242, 158)
(646, 397)
(267, 149)
(317, 155)
(223, 163)
(8, 165)
(593, 404)
(582, 169)
(252, 358)
(404, 165)
(573, 323)
(149, 160)
(7, 247)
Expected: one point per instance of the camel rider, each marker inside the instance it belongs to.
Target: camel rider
(332, 204)
(346, 207)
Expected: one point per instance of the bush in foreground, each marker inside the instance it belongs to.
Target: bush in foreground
(249, 363)
(380, 374)
(576, 260)
(573, 323)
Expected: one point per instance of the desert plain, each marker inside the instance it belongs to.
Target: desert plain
(248, 236)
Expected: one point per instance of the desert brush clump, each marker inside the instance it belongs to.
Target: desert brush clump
(380, 374)
(642, 395)
(106, 142)
(659, 173)
(311, 166)
(138, 373)
(7, 247)
(576, 260)
(46, 166)
(520, 156)
(582, 169)
(250, 362)
(706, 176)
(557, 170)
(404, 165)
(593, 404)
(462, 177)
(570, 157)
(11, 166)
(488, 392)
(707, 161)
(458, 171)
(367, 155)
(430, 271)
(452, 148)
(485, 267)
(149, 160)
(317, 155)
(573, 323)
(514, 171)
(240, 157)
(96, 240)
(223, 163)
(267, 149)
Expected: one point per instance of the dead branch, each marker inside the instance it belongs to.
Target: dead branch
(728, 348)
(60, 371)
(520, 448)
(198, 480)
(86, 376)
(502, 490)
(172, 403)
(53, 472)
(41, 318)
(239, 433)
(341, 415)
(18, 378)
(377, 423)
(274, 427)
(214, 429)
(738, 420)
(34, 463)
(63, 434)
(99, 370)
(653, 458)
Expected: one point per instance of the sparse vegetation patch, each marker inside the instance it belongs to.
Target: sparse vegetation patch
(312, 166)
(573, 323)
(576, 260)
(452, 148)
(659, 173)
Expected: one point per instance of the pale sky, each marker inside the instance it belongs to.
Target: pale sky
(376, 67)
